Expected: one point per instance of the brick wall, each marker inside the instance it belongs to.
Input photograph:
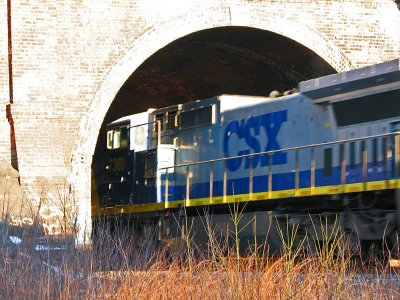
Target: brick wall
(4, 95)
(71, 58)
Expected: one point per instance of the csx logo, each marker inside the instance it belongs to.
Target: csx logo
(249, 131)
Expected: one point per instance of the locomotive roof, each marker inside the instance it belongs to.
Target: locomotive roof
(230, 102)
(336, 86)
(227, 102)
(130, 117)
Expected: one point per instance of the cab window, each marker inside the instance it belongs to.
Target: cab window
(117, 138)
(109, 139)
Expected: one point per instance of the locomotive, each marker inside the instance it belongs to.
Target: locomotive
(332, 148)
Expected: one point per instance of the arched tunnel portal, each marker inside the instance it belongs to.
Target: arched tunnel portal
(224, 60)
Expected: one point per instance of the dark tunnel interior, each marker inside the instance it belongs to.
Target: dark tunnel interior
(226, 60)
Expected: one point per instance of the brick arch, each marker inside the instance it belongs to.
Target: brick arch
(294, 29)
(310, 38)
(157, 37)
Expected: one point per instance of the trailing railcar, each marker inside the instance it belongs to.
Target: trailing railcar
(333, 146)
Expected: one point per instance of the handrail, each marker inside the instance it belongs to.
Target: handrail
(312, 147)
(283, 150)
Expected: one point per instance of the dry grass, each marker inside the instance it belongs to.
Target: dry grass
(120, 266)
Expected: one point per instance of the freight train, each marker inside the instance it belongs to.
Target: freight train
(330, 148)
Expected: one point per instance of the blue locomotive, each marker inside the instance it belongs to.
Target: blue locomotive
(333, 144)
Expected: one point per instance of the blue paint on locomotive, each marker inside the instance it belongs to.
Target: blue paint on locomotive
(282, 181)
(269, 125)
(285, 122)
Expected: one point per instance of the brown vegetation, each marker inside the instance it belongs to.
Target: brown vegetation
(119, 266)
(123, 265)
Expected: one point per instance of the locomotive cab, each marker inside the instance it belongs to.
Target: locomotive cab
(118, 175)
(134, 156)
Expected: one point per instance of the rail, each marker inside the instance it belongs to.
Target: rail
(389, 148)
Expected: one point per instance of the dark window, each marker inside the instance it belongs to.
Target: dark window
(341, 154)
(385, 149)
(196, 117)
(150, 166)
(159, 120)
(328, 162)
(124, 137)
(362, 150)
(369, 108)
(171, 119)
(374, 151)
(352, 155)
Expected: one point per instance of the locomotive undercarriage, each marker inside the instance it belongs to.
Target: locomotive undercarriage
(362, 220)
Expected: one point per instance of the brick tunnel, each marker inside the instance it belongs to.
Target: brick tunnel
(78, 65)
(224, 60)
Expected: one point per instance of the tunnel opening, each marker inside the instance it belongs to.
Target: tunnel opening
(207, 63)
